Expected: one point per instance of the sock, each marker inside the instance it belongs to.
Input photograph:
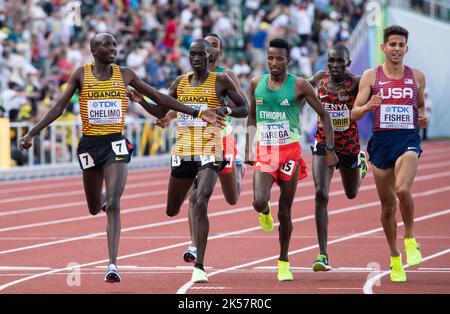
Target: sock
(199, 266)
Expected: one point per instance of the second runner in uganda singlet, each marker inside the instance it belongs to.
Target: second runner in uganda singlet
(194, 136)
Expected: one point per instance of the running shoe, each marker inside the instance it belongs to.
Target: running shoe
(322, 263)
(266, 220)
(412, 250)
(190, 255)
(397, 272)
(199, 276)
(364, 166)
(284, 271)
(112, 274)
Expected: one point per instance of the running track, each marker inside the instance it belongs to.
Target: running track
(45, 228)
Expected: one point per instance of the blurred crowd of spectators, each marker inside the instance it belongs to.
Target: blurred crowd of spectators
(42, 42)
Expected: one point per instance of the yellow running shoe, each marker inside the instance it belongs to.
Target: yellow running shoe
(322, 263)
(199, 276)
(284, 271)
(412, 250)
(364, 165)
(266, 220)
(397, 272)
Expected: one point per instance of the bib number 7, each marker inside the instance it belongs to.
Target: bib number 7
(120, 147)
(86, 161)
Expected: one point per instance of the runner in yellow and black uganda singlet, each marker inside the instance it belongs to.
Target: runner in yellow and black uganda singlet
(198, 144)
(102, 110)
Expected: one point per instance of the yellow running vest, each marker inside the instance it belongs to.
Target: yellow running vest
(194, 136)
(102, 103)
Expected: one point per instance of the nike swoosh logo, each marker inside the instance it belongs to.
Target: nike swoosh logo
(118, 158)
(383, 83)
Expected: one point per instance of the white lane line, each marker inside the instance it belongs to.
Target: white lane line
(183, 289)
(11, 268)
(368, 285)
(128, 196)
(309, 269)
(162, 205)
(430, 153)
(342, 288)
(134, 175)
(220, 213)
(132, 267)
(129, 186)
(15, 282)
(78, 182)
(211, 288)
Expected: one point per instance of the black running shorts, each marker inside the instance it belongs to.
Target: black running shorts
(187, 167)
(96, 152)
(350, 161)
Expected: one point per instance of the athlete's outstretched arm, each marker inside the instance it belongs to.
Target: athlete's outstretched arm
(361, 106)
(56, 110)
(241, 109)
(303, 88)
(165, 121)
(160, 99)
(420, 79)
(135, 96)
(251, 124)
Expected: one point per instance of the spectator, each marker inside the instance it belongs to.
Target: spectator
(13, 99)
(241, 68)
(137, 59)
(170, 34)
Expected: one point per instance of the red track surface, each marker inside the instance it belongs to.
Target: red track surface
(45, 226)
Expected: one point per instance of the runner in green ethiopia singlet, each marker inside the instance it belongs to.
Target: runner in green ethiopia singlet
(228, 128)
(277, 113)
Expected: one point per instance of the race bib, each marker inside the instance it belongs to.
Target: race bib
(396, 117)
(120, 147)
(341, 119)
(107, 111)
(185, 120)
(274, 133)
(206, 159)
(86, 161)
(230, 159)
(288, 167)
(176, 160)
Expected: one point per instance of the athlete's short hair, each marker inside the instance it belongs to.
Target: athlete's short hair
(343, 48)
(216, 36)
(395, 30)
(204, 42)
(281, 43)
